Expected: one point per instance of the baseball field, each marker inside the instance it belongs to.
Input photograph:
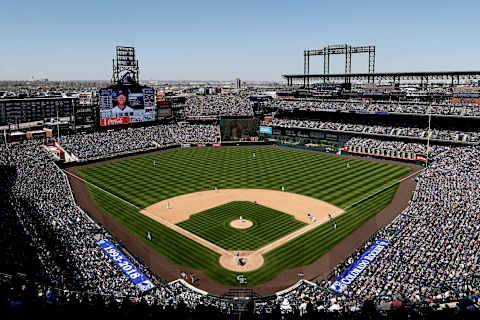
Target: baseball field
(138, 189)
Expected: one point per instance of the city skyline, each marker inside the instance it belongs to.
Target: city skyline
(221, 41)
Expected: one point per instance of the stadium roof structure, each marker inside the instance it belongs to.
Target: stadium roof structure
(424, 76)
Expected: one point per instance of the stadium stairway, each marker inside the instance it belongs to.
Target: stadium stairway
(242, 298)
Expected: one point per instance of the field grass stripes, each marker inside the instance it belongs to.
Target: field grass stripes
(122, 188)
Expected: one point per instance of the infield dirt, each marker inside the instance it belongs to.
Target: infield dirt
(309, 210)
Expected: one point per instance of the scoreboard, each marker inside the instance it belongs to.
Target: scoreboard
(126, 104)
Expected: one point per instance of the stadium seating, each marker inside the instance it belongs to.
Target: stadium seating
(433, 254)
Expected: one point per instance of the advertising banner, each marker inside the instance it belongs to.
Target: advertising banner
(421, 158)
(130, 270)
(201, 117)
(349, 275)
(114, 121)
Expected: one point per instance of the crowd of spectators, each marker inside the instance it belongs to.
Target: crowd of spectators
(219, 105)
(433, 251)
(410, 131)
(435, 242)
(58, 234)
(108, 143)
(20, 299)
(55, 241)
(420, 148)
(467, 110)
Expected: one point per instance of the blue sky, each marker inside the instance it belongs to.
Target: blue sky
(223, 40)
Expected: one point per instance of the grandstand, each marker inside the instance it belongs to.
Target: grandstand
(421, 160)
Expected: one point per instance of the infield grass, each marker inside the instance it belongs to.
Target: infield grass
(184, 171)
(268, 225)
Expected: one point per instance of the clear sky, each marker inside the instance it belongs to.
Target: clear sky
(223, 40)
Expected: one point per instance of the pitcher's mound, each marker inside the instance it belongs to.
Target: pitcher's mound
(241, 224)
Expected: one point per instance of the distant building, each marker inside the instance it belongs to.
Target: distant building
(35, 109)
(239, 83)
(87, 98)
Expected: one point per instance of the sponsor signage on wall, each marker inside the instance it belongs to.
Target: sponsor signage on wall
(127, 267)
(349, 275)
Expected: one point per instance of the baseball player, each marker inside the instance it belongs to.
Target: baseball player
(168, 204)
(283, 189)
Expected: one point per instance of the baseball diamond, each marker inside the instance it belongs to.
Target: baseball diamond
(268, 225)
(122, 188)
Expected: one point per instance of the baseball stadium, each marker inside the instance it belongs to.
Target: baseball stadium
(190, 200)
(327, 196)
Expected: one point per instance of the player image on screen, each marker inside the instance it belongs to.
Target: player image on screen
(126, 105)
(122, 107)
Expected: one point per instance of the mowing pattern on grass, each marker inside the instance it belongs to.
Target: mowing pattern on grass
(185, 171)
(268, 225)
(183, 251)
(189, 170)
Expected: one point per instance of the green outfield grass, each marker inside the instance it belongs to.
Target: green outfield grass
(268, 225)
(184, 171)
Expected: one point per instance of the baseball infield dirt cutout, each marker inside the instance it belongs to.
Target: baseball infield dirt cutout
(309, 210)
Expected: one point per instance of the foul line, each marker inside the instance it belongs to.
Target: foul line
(169, 225)
(381, 190)
(399, 181)
(87, 182)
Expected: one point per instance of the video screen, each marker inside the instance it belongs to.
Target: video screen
(126, 105)
(267, 130)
